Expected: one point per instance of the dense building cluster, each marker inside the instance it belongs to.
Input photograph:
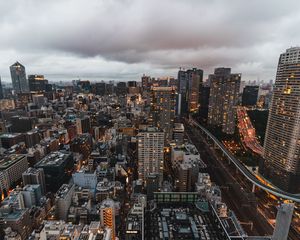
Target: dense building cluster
(111, 160)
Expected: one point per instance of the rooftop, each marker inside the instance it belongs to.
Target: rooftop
(63, 190)
(53, 159)
(7, 161)
(184, 221)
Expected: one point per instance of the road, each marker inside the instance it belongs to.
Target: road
(249, 175)
(266, 205)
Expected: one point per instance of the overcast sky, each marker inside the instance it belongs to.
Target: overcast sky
(122, 39)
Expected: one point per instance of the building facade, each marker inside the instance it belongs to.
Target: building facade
(163, 108)
(150, 152)
(189, 84)
(282, 140)
(223, 99)
(250, 95)
(35, 176)
(18, 78)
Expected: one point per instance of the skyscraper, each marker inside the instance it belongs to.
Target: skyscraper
(1, 90)
(18, 78)
(163, 108)
(223, 97)
(250, 95)
(189, 83)
(150, 152)
(282, 140)
(37, 83)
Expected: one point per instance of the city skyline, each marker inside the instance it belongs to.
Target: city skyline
(124, 39)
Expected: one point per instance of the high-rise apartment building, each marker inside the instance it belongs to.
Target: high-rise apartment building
(189, 83)
(12, 166)
(150, 152)
(163, 108)
(223, 99)
(18, 77)
(282, 140)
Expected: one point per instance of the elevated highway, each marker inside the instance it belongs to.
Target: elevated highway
(249, 175)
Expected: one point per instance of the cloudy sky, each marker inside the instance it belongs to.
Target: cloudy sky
(122, 39)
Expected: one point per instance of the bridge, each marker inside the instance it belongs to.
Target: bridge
(249, 175)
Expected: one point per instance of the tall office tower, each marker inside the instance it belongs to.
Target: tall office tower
(150, 152)
(204, 102)
(37, 83)
(35, 176)
(223, 98)
(282, 140)
(108, 215)
(1, 90)
(250, 95)
(189, 83)
(163, 108)
(18, 77)
(283, 221)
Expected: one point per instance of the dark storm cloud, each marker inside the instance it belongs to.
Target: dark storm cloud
(130, 37)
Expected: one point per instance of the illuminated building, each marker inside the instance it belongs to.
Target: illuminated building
(189, 83)
(146, 82)
(7, 104)
(13, 166)
(150, 152)
(282, 140)
(178, 133)
(223, 98)
(37, 83)
(18, 77)
(108, 215)
(163, 108)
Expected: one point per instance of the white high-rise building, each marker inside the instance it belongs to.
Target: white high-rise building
(63, 200)
(150, 152)
(283, 221)
(282, 140)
